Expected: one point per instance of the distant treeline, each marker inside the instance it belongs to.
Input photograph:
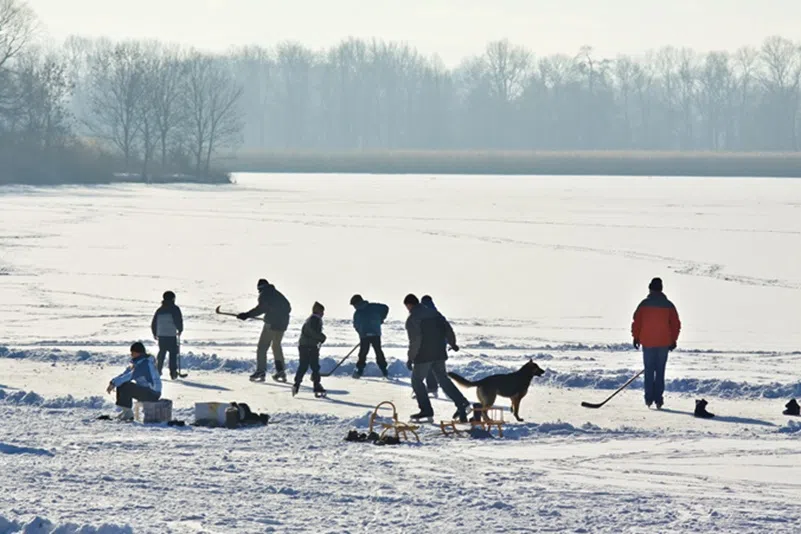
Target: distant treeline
(372, 95)
(153, 111)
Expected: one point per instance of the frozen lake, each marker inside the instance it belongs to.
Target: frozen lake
(530, 261)
(546, 267)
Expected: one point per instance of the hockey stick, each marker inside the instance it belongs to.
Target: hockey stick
(217, 310)
(621, 388)
(329, 373)
(178, 343)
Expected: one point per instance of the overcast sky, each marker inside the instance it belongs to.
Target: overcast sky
(453, 29)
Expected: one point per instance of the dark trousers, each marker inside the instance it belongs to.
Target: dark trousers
(364, 348)
(129, 391)
(168, 344)
(309, 357)
(431, 382)
(420, 372)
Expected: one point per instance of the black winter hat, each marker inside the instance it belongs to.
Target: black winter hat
(317, 307)
(262, 282)
(356, 299)
(138, 348)
(168, 295)
(655, 285)
(411, 300)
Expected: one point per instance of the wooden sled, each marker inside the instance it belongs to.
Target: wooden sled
(484, 418)
(397, 426)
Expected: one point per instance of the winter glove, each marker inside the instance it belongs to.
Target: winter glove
(637, 344)
(455, 348)
(673, 346)
(409, 365)
(242, 316)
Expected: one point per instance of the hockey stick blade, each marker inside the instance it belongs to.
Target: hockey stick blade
(621, 388)
(329, 373)
(217, 310)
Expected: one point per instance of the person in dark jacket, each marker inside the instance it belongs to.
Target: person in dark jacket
(167, 326)
(367, 320)
(275, 307)
(311, 337)
(655, 327)
(426, 329)
(139, 381)
(431, 380)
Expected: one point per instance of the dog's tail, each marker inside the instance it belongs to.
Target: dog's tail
(461, 380)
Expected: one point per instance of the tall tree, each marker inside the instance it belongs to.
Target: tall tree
(115, 94)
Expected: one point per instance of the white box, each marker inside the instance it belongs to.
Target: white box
(159, 411)
(211, 413)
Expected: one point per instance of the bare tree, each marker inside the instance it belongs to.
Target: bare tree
(507, 67)
(782, 60)
(212, 99)
(147, 105)
(294, 64)
(17, 27)
(167, 91)
(115, 93)
(43, 93)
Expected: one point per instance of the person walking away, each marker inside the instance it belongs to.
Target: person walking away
(311, 337)
(656, 328)
(276, 309)
(140, 381)
(426, 329)
(367, 320)
(167, 326)
(431, 380)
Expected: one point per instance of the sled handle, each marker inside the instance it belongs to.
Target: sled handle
(375, 413)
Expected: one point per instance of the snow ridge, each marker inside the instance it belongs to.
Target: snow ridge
(29, 398)
(40, 525)
(472, 370)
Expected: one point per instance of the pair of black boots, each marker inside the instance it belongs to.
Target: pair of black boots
(373, 438)
(792, 408)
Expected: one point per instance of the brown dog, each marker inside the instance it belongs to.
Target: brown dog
(511, 385)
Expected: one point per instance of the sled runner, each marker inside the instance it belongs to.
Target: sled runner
(484, 418)
(396, 426)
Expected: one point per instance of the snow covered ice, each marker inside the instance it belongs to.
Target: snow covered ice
(543, 268)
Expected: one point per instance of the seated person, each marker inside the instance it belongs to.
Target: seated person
(140, 381)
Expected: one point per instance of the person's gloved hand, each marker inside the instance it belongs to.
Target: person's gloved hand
(409, 365)
(637, 344)
(673, 346)
(455, 348)
(242, 316)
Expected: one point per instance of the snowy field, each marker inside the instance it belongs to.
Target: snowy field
(543, 268)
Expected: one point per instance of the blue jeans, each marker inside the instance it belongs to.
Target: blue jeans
(419, 374)
(655, 360)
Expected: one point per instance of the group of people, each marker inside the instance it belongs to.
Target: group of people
(429, 332)
(655, 328)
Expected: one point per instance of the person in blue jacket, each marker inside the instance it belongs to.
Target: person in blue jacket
(140, 381)
(367, 321)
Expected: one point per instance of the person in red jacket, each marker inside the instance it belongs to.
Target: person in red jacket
(656, 328)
